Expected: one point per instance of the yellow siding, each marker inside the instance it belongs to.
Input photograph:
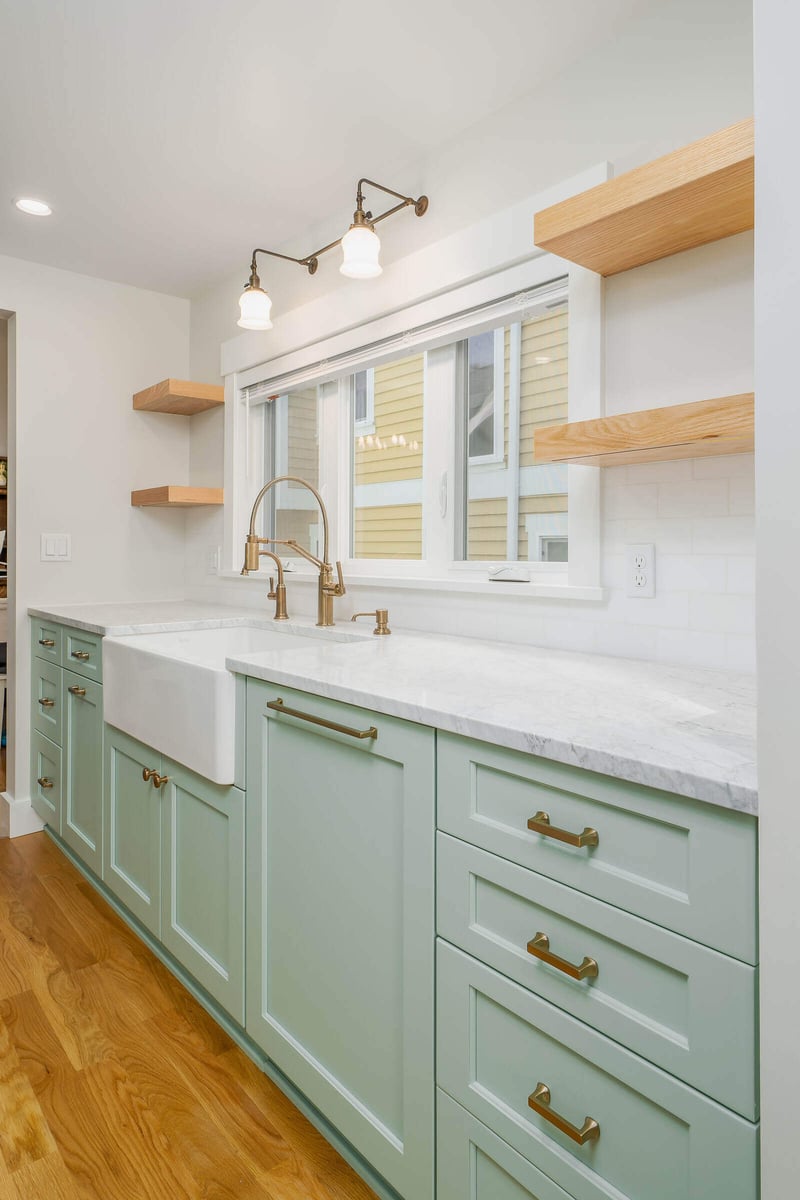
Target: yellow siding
(398, 414)
(388, 532)
(536, 504)
(486, 534)
(303, 457)
(543, 386)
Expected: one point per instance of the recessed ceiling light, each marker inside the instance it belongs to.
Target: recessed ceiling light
(34, 208)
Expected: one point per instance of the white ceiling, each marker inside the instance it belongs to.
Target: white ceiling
(170, 136)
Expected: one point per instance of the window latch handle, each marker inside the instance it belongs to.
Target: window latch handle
(443, 494)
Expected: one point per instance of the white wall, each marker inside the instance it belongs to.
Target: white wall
(676, 331)
(3, 387)
(81, 347)
(778, 577)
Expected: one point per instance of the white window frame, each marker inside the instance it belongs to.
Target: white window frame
(367, 425)
(385, 340)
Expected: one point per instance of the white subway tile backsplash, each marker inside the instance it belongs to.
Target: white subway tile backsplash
(662, 472)
(740, 652)
(727, 466)
(742, 496)
(669, 536)
(721, 613)
(691, 648)
(742, 575)
(667, 609)
(691, 572)
(723, 535)
(693, 498)
(625, 641)
(630, 500)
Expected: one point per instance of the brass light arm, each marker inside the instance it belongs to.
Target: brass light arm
(311, 261)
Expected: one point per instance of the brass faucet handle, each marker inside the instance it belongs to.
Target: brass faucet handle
(271, 592)
(381, 616)
(338, 588)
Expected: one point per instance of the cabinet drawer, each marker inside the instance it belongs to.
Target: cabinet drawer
(46, 781)
(46, 641)
(46, 699)
(475, 1164)
(680, 863)
(689, 1009)
(658, 1139)
(83, 652)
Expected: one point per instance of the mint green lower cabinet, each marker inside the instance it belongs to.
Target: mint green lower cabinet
(659, 994)
(340, 904)
(202, 882)
(46, 700)
(475, 1164)
(46, 780)
(132, 866)
(82, 818)
(659, 1139)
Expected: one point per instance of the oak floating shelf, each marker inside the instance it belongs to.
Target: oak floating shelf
(175, 497)
(695, 195)
(179, 396)
(700, 430)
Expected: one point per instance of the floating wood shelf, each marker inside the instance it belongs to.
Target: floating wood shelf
(695, 195)
(175, 497)
(700, 430)
(179, 396)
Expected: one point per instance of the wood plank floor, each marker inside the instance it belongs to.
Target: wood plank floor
(114, 1083)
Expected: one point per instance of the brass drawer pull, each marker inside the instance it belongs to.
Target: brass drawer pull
(539, 1101)
(45, 783)
(159, 780)
(148, 773)
(81, 655)
(540, 823)
(47, 703)
(539, 947)
(76, 691)
(49, 642)
(279, 706)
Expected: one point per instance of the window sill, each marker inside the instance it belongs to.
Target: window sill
(475, 587)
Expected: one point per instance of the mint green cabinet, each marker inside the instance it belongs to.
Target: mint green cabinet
(174, 855)
(475, 1164)
(202, 882)
(46, 780)
(82, 818)
(46, 700)
(658, 1139)
(83, 652)
(47, 641)
(132, 861)
(340, 847)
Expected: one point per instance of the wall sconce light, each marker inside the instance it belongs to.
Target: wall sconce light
(360, 249)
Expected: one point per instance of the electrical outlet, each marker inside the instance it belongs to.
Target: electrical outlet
(212, 560)
(640, 570)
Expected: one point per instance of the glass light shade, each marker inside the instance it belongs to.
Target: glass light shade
(361, 247)
(255, 306)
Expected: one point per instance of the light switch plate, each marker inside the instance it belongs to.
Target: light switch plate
(56, 547)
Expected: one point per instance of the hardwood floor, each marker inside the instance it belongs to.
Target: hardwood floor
(114, 1083)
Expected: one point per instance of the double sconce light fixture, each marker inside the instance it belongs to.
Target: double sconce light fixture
(360, 249)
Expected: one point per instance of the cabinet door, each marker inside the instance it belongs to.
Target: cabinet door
(82, 819)
(202, 920)
(46, 700)
(340, 838)
(132, 806)
(46, 779)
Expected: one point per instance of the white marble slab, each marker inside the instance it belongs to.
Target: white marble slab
(688, 731)
(691, 732)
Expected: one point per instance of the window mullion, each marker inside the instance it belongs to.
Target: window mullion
(512, 466)
(438, 457)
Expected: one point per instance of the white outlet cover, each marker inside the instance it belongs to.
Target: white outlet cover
(640, 571)
(56, 547)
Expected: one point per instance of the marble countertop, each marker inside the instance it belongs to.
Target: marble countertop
(685, 730)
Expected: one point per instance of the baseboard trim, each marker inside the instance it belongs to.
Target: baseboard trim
(17, 817)
(245, 1043)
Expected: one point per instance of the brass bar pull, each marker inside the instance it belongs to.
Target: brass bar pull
(81, 655)
(539, 1101)
(147, 774)
(76, 691)
(47, 703)
(279, 706)
(159, 780)
(540, 823)
(46, 642)
(45, 783)
(539, 947)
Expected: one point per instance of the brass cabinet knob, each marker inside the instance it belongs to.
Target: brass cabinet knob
(49, 642)
(46, 702)
(159, 780)
(81, 655)
(76, 691)
(148, 773)
(45, 783)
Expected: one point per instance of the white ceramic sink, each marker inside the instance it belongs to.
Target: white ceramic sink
(173, 691)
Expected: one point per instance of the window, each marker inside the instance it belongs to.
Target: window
(515, 381)
(425, 457)
(387, 462)
(364, 401)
